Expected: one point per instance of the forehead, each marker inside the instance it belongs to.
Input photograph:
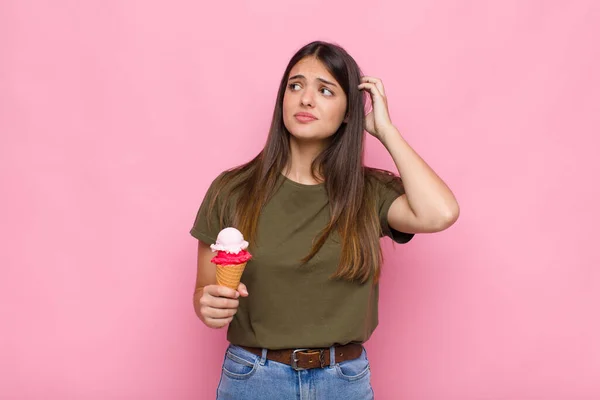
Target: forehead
(311, 68)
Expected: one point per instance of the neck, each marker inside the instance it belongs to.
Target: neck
(302, 154)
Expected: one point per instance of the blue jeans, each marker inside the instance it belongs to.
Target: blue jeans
(246, 376)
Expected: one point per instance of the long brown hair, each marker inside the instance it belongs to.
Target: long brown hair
(352, 198)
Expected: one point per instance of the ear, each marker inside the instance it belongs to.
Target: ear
(345, 119)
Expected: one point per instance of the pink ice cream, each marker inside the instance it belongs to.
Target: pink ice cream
(230, 247)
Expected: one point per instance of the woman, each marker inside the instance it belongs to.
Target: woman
(313, 214)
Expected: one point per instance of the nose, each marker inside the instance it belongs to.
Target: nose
(308, 98)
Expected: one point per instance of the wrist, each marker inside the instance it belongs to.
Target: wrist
(389, 134)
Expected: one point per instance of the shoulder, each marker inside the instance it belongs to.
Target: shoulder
(383, 181)
(226, 185)
(227, 179)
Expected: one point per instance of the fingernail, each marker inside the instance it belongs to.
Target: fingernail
(237, 295)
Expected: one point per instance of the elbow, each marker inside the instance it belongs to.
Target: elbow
(445, 219)
(449, 217)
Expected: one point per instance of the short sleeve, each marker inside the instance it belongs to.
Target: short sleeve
(388, 192)
(207, 223)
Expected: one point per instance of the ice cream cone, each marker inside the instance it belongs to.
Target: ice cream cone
(231, 257)
(230, 275)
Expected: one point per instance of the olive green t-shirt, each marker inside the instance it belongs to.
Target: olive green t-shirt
(293, 306)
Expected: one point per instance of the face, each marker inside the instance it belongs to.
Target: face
(311, 89)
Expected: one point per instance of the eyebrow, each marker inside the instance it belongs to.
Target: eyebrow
(319, 79)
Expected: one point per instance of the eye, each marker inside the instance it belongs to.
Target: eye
(328, 94)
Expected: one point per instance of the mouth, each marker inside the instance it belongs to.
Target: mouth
(305, 117)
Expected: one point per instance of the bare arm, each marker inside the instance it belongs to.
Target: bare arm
(428, 204)
(205, 273)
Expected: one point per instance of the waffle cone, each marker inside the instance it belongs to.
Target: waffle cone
(230, 275)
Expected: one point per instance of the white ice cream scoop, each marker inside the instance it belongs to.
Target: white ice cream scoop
(230, 240)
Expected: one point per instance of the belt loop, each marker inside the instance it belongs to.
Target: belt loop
(332, 356)
(263, 358)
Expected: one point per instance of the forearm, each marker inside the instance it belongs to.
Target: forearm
(430, 199)
(206, 273)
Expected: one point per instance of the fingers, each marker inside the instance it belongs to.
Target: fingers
(375, 94)
(243, 290)
(218, 302)
(221, 291)
(376, 81)
(219, 313)
(217, 323)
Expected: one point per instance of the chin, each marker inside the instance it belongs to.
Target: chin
(305, 132)
(307, 137)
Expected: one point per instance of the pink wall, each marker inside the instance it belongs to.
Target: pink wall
(110, 117)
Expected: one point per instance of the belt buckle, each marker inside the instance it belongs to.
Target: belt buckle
(295, 360)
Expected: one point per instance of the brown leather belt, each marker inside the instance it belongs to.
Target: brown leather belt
(301, 359)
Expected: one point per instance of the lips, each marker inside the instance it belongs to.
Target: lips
(305, 117)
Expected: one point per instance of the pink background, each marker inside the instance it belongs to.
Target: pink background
(113, 117)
